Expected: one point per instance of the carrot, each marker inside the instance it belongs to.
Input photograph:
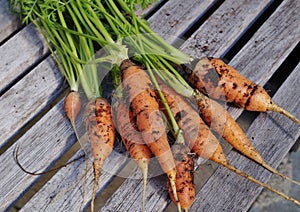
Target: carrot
(181, 153)
(221, 81)
(205, 144)
(138, 89)
(72, 105)
(184, 176)
(195, 131)
(101, 132)
(133, 142)
(223, 123)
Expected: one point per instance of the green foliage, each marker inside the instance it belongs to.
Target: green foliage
(143, 3)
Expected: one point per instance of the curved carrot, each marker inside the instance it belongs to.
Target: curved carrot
(221, 81)
(101, 132)
(138, 89)
(133, 142)
(214, 114)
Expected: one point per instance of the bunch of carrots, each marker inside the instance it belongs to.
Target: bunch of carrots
(149, 91)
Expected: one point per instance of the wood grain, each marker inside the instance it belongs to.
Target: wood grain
(178, 16)
(39, 150)
(20, 52)
(9, 22)
(21, 103)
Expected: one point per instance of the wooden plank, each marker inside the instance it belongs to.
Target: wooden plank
(41, 146)
(177, 17)
(129, 194)
(158, 196)
(272, 43)
(9, 22)
(70, 190)
(223, 28)
(20, 52)
(273, 136)
(28, 97)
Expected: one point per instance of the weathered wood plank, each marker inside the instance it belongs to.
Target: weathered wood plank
(222, 28)
(20, 52)
(69, 190)
(273, 136)
(178, 16)
(28, 97)
(41, 146)
(272, 43)
(158, 197)
(9, 22)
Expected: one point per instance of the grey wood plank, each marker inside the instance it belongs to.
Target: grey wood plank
(20, 52)
(223, 28)
(129, 195)
(28, 97)
(9, 22)
(177, 17)
(41, 146)
(70, 190)
(116, 203)
(273, 136)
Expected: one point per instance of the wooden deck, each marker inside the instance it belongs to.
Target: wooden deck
(260, 38)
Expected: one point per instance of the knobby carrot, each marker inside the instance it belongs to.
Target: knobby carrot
(221, 81)
(184, 176)
(133, 142)
(101, 132)
(223, 123)
(138, 89)
(205, 145)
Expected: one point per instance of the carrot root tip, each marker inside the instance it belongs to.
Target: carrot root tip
(143, 164)
(276, 108)
(97, 165)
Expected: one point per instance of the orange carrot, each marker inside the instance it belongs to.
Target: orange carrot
(196, 133)
(181, 153)
(184, 176)
(223, 123)
(138, 90)
(221, 81)
(133, 142)
(101, 132)
(72, 106)
(205, 145)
